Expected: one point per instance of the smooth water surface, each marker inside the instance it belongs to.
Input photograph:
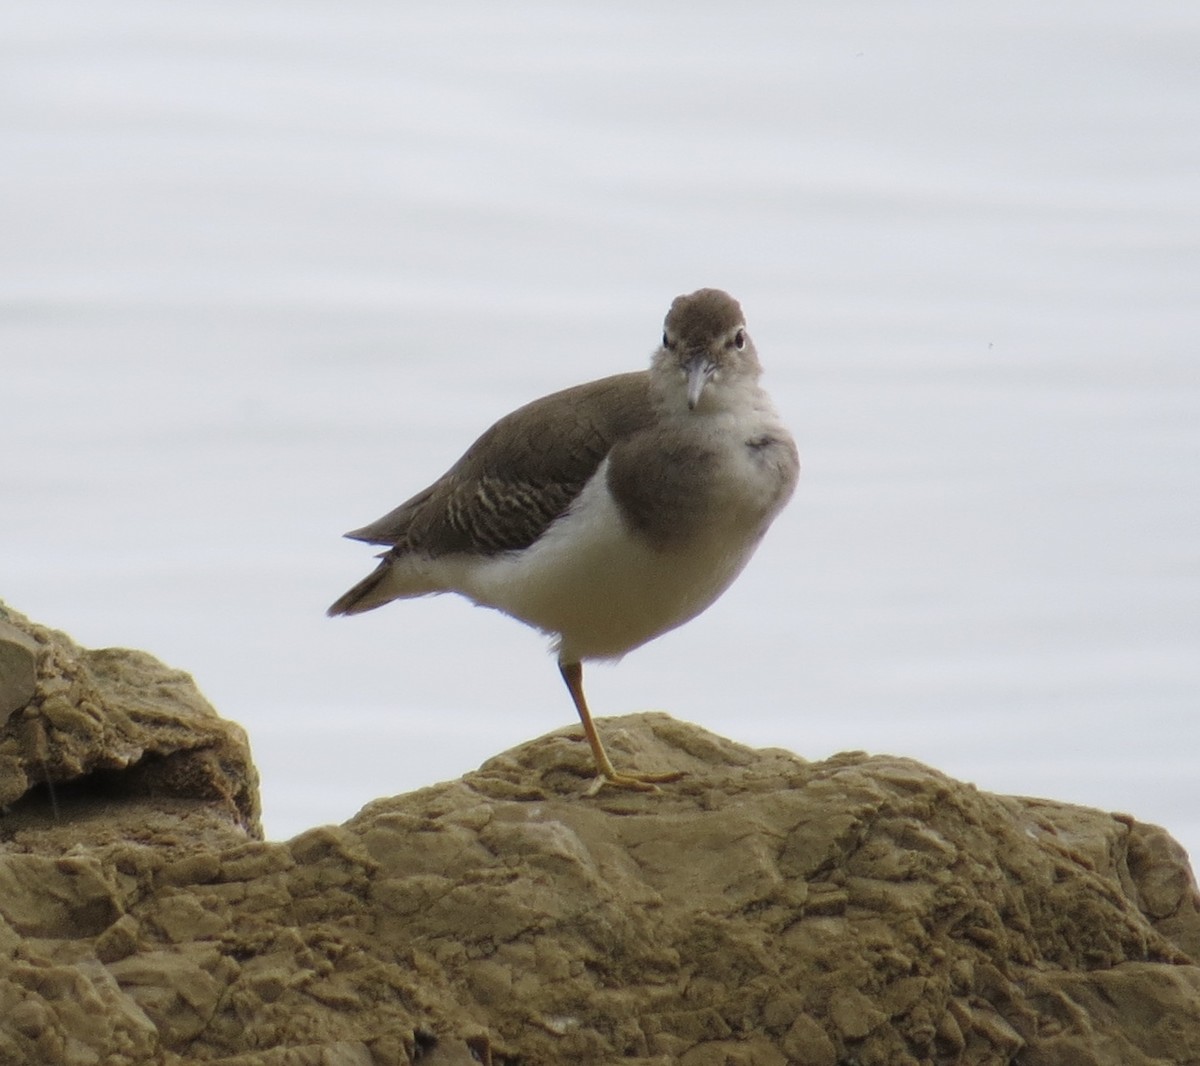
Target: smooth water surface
(266, 270)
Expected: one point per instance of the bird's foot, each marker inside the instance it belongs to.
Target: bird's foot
(632, 782)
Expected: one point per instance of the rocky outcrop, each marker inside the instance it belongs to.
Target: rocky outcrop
(115, 731)
(763, 910)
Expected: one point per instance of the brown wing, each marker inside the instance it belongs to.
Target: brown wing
(517, 478)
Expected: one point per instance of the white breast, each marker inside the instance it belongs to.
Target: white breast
(601, 590)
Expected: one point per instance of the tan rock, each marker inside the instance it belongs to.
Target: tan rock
(18, 668)
(763, 910)
(63, 898)
(112, 723)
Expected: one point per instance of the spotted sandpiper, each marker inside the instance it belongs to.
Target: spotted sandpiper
(608, 513)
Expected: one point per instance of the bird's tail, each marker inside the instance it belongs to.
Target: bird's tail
(371, 592)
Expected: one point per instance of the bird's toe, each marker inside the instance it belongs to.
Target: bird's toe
(632, 782)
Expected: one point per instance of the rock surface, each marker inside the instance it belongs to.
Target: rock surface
(764, 911)
(88, 727)
(18, 669)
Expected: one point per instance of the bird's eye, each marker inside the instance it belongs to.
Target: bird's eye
(739, 339)
(666, 340)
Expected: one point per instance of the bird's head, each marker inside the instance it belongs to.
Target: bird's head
(706, 355)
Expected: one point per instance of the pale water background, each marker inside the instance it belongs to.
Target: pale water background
(266, 269)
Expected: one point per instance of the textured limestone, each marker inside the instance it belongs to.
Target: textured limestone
(763, 911)
(108, 723)
(18, 669)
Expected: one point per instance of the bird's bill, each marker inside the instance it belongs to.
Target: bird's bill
(699, 370)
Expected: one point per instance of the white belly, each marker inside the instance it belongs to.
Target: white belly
(598, 589)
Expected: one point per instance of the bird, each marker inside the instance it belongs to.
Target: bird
(608, 513)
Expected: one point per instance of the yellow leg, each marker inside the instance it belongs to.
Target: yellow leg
(572, 674)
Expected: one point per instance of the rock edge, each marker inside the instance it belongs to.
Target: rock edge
(764, 911)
